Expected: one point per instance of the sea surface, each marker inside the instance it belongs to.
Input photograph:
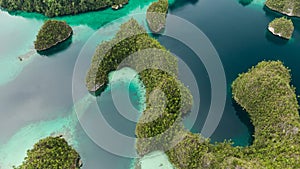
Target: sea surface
(39, 95)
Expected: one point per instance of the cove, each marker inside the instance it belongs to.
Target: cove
(38, 90)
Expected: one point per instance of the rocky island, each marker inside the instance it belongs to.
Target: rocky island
(129, 40)
(282, 27)
(156, 15)
(52, 33)
(264, 92)
(287, 7)
(50, 153)
(59, 7)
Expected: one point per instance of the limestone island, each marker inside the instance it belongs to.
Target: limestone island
(264, 92)
(282, 27)
(59, 7)
(50, 153)
(52, 33)
(156, 15)
(287, 7)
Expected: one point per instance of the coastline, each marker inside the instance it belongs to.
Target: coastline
(58, 42)
(272, 30)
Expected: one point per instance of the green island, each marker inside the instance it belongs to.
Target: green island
(50, 153)
(52, 8)
(52, 33)
(282, 27)
(264, 92)
(287, 7)
(156, 15)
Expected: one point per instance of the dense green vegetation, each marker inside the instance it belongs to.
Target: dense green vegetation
(264, 91)
(167, 98)
(52, 33)
(156, 15)
(128, 44)
(282, 27)
(288, 7)
(53, 8)
(50, 153)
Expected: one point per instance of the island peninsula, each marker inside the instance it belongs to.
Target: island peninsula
(59, 7)
(264, 92)
(50, 153)
(52, 33)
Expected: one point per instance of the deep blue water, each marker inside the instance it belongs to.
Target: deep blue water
(42, 90)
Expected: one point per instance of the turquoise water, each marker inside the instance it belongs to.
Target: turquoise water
(36, 94)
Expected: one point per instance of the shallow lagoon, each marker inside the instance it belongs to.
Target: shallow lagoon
(37, 94)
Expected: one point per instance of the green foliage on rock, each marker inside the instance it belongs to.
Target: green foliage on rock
(282, 27)
(53, 8)
(266, 94)
(132, 47)
(50, 153)
(167, 99)
(287, 7)
(52, 33)
(264, 91)
(156, 15)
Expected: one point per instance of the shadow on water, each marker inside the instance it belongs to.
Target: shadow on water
(181, 3)
(245, 119)
(58, 48)
(245, 2)
(275, 39)
(271, 13)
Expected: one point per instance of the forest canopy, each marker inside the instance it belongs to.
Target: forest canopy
(50, 153)
(282, 27)
(156, 15)
(287, 7)
(264, 92)
(52, 33)
(52, 8)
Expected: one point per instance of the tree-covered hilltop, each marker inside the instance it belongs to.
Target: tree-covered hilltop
(53, 8)
(282, 27)
(156, 15)
(166, 97)
(264, 91)
(50, 153)
(128, 44)
(52, 33)
(287, 7)
(266, 94)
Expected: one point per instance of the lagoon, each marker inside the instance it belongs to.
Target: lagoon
(36, 94)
